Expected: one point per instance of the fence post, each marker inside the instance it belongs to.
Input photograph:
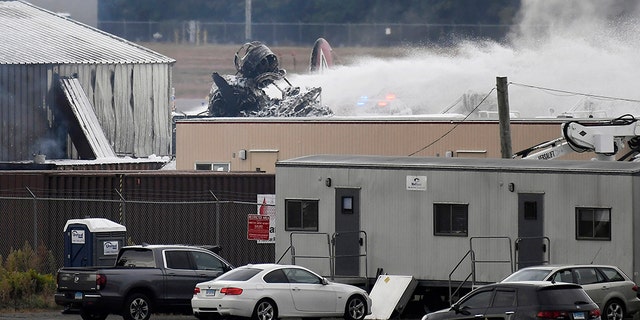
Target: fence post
(123, 209)
(217, 218)
(35, 220)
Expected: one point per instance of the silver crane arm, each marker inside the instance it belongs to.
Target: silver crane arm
(605, 139)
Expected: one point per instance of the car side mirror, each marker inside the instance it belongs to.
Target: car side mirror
(465, 311)
(324, 281)
(460, 309)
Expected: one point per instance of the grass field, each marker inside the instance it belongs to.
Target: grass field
(195, 64)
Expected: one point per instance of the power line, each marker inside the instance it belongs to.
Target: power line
(455, 126)
(573, 93)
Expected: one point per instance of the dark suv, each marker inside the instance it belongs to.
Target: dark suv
(531, 300)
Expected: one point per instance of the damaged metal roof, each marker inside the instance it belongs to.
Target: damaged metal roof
(32, 35)
(89, 139)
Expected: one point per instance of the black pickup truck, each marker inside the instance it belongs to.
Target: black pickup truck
(146, 279)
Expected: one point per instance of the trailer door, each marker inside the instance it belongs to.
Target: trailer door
(530, 246)
(347, 237)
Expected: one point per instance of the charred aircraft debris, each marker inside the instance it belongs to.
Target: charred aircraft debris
(243, 94)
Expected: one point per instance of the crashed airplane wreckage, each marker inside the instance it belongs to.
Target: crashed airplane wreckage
(243, 95)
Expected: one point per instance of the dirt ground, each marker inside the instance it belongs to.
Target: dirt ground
(195, 64)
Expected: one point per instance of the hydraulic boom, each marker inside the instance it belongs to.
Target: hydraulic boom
(605, 139)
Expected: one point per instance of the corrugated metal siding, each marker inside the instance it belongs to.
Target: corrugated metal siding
(132, 103)
(84, 116)
(399, 222)
(149, 218)
(135, 185)
(25, 112)
(294, 138)
(31, 35)
(115, 165)
(127, 85)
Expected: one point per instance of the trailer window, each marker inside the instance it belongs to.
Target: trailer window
(301, 215)
(450, 219)
(593, 223)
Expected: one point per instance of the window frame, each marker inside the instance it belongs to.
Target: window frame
(212, 166)
(482, 296)
(500, 294)
(594, 211)
(313, 223)
(206, 261)
(143, 258)
(172, 255)
(301, 276)
(451, 232)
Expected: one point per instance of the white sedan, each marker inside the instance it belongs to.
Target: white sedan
(272, 291)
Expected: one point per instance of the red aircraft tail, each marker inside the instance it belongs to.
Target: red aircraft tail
(321, 56)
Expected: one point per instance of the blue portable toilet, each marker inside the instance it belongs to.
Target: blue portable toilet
(92, 242)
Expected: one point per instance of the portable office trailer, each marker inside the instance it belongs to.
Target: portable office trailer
(453, 222)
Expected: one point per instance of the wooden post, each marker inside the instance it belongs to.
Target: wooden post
(503, 113)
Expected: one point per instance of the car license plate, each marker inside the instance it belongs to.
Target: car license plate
(78, 296)
(578, 315)
(212, 292)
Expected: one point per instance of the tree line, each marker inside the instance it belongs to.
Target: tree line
(314, 11)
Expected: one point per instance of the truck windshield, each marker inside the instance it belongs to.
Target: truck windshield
(136, 258)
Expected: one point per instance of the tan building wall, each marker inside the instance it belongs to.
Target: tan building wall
(255, 144)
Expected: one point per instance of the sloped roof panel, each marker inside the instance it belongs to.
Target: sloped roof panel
(32, 35)
(86, 119)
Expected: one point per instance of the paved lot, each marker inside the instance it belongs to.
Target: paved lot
(60, 316)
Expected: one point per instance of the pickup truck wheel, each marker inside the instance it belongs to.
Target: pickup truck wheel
(137, 307)
(89, 315)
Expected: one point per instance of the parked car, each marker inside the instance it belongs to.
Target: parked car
(527, 300)
(272, 291)
(614, 292)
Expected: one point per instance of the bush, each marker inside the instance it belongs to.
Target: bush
(27, 280)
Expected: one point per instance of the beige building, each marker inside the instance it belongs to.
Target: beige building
(255, 144)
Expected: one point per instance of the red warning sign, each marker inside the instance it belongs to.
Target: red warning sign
(257, 227)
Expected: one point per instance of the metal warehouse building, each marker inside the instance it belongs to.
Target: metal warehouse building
(68, 90)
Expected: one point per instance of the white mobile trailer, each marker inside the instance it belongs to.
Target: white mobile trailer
(357, 216)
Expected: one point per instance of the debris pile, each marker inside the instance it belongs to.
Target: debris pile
(243, 95)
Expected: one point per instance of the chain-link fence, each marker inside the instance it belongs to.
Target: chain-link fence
(40, 222)
(303, 34)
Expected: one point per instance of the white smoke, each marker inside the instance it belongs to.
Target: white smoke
(586, 51)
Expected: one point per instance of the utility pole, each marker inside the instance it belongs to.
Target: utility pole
(503, 113)
(247, 20)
